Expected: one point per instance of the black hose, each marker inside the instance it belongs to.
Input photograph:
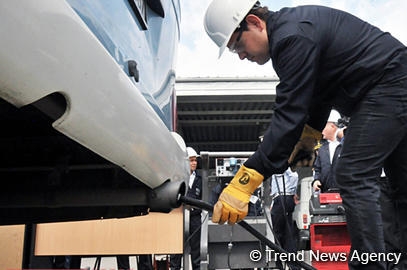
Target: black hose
(208, 207)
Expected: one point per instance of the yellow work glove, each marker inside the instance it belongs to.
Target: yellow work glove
(232, 205)
(303, 153)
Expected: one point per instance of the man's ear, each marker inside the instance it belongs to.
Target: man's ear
(252, 19)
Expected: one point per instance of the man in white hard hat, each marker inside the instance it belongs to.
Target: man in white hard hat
(324, 58)
(324, 166)
(194, 191)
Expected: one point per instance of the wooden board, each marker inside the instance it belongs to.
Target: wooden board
(155, 233)
(11, 246)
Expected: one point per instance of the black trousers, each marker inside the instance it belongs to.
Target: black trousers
(376, 137)
(283, 225)
(194, 242)
(391, 229)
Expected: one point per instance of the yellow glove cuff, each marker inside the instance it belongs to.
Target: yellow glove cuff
(246, 181)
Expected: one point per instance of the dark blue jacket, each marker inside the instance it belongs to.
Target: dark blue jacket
(325, 58)
(195, 192)
(324, 171)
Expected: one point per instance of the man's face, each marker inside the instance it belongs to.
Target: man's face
(251, 44)
(329, 131)
(193, 162)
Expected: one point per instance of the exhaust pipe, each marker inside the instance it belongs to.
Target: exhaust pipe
(167, 196)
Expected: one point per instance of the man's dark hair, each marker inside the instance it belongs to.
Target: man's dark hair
(259, 11)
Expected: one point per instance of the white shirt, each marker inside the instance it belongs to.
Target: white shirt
(191, 179)
(332, 148)
(291, 181)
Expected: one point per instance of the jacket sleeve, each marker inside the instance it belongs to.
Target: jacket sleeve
(317, 168)
(295, 60)
(199, 185)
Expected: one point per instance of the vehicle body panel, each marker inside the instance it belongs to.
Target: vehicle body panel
(79, 51)
(116, 26)
(106, 111)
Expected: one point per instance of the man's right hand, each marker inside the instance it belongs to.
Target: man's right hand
(317, 185)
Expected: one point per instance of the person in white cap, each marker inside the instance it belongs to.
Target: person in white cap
(194, 191)
(328, 153)
(325, 58)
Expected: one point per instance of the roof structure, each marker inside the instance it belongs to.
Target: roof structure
(224, 114)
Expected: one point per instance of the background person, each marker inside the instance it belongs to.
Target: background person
(328, 153)
(194, 191)
(325, 58)
(283, 191)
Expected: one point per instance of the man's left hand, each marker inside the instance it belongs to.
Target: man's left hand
(303, 153)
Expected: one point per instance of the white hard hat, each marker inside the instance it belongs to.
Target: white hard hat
(223, 17)
(191, 152)
(334, 116)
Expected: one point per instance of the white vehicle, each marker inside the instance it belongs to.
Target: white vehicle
(102, 74)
